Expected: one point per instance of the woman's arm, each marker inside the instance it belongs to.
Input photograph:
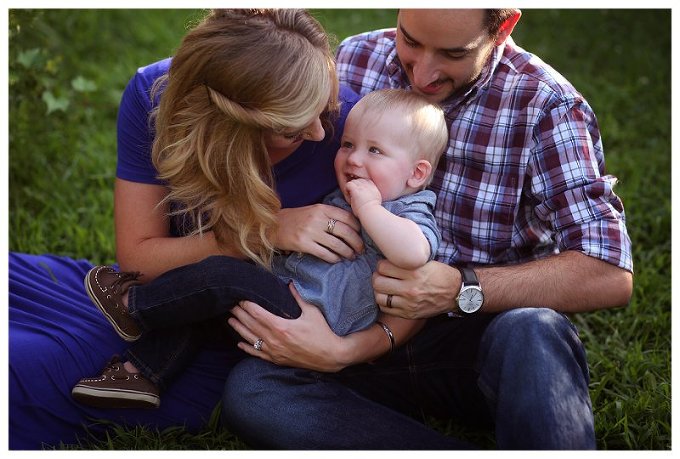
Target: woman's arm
(143, 240)
(308, 342)
(144, 243)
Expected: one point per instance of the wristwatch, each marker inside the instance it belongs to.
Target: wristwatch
(470, 298)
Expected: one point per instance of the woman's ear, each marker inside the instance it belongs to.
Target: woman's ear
(420, 175)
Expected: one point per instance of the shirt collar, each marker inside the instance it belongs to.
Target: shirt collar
(396, 71)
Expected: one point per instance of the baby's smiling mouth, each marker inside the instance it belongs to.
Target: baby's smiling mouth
(351, 177)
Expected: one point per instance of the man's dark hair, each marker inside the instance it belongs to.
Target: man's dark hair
(494, 18)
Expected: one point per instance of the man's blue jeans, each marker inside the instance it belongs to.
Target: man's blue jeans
(522, 372)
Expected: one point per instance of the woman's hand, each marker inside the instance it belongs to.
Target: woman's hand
(419, 293)
(305, 229)
(305, 342)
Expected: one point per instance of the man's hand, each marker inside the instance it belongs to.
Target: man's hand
(416, 294)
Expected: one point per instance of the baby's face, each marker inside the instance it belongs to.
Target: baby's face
(379, 150)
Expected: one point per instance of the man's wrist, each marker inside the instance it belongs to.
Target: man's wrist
(470, 298)
(453, 310)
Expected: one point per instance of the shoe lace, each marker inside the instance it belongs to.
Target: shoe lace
(114, 366)
(124, 279)
(114, 363)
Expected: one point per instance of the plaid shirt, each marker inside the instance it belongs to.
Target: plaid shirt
(523, 175)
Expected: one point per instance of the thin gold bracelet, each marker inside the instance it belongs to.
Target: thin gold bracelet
(389, 334)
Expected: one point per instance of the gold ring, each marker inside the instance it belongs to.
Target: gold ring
(331, 225)
(389, 301)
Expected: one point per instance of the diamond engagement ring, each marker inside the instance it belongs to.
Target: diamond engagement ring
(258, 344)
(331, 225)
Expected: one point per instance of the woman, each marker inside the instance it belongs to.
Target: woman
(212, 144)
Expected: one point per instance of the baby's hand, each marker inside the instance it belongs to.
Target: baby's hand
(361, 192)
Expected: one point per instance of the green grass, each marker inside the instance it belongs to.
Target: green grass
(62, 166)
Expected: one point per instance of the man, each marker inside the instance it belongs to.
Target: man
(531, 229)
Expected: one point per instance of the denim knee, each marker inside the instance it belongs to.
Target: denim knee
(264, 404)
(530, 335)
(534, 375)
(530, 324)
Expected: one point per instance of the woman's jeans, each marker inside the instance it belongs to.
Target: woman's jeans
(522, 372)
(187, 307)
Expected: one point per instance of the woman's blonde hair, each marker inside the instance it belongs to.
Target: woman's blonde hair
(236, 75)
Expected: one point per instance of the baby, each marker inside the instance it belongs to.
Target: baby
(390, 145)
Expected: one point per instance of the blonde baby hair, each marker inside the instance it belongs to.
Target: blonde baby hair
(427, 125)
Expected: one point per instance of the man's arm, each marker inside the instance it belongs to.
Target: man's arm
(568, 282)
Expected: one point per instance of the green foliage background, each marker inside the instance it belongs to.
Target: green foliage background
(68, 68)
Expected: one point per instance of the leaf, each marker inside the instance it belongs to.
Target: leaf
(82, 84)
(28, 58)
(54, 103)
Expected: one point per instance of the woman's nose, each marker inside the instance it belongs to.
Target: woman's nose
(315, 131)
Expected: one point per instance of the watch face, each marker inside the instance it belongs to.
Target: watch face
(470, 299)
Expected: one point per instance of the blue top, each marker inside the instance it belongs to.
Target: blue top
(57, 335)
(343, 290)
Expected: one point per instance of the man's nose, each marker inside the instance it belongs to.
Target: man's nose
(424, 70)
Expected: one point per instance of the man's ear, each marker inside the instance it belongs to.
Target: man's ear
(507, 27)
(421, 172)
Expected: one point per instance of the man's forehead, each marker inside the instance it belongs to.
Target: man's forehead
(444, 29)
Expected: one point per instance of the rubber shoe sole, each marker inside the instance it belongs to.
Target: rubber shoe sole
(114, 398)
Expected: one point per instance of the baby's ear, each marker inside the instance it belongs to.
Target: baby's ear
(420, 175)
